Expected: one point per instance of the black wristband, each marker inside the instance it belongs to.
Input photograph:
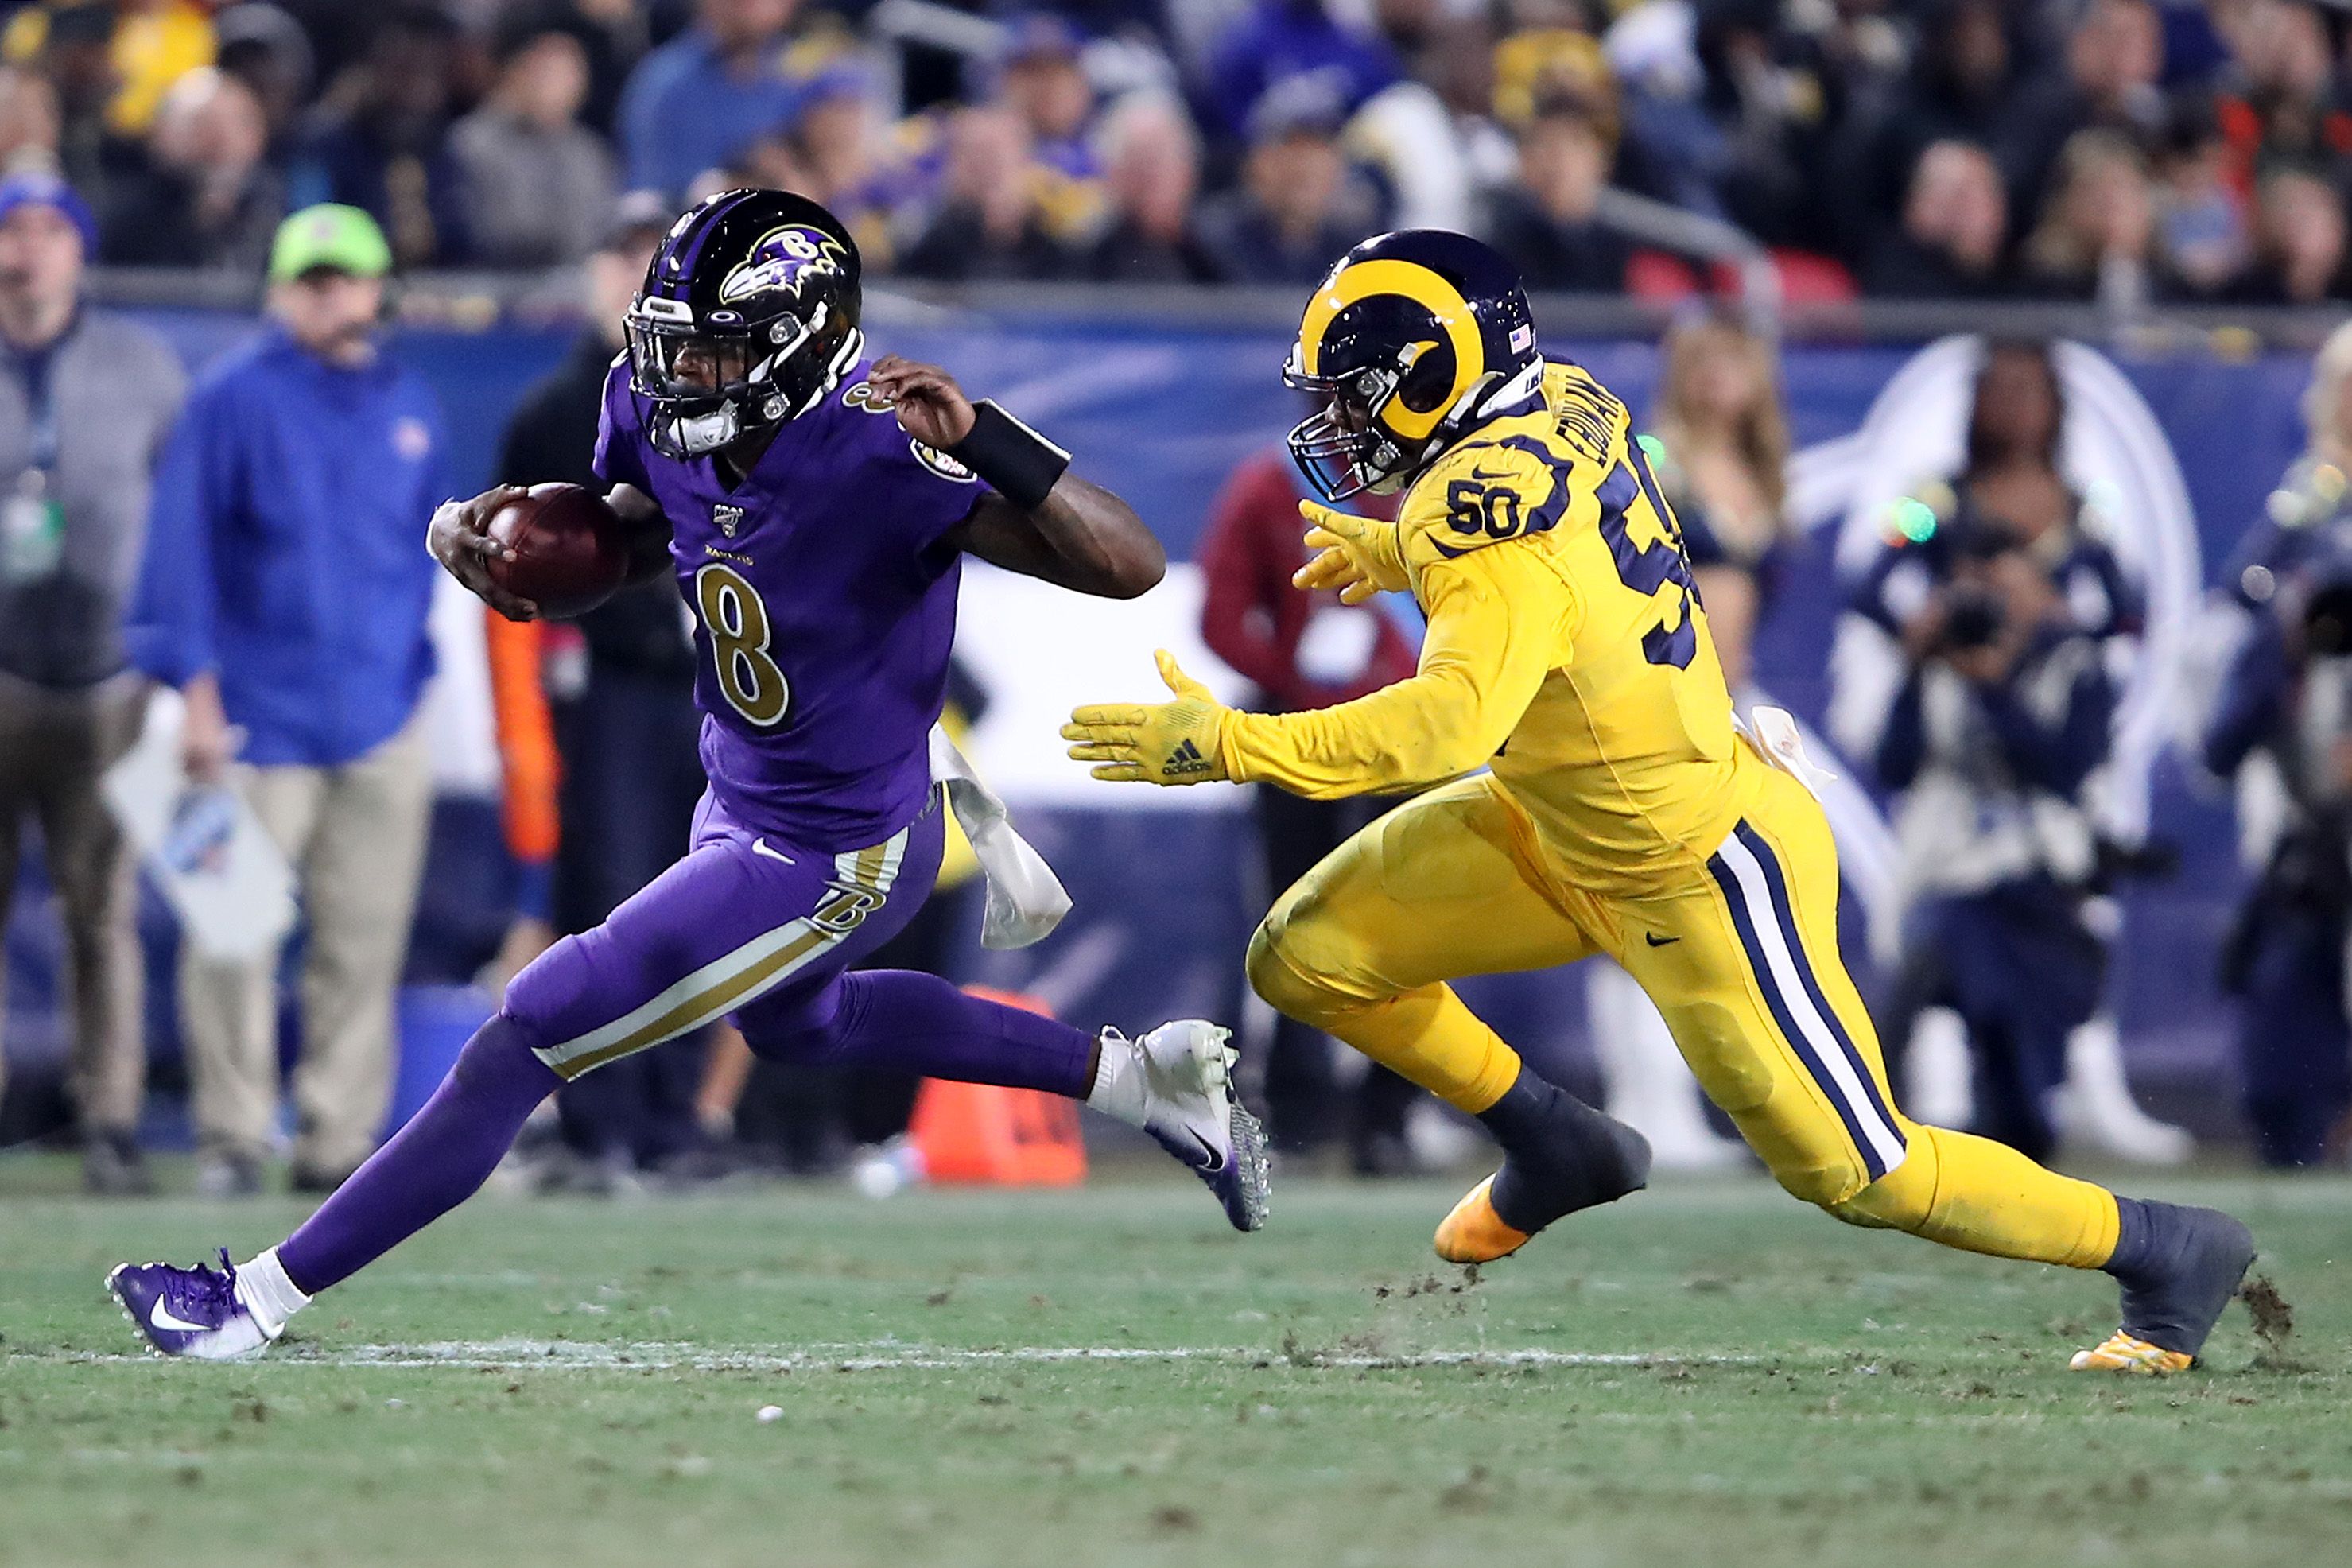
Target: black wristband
(1018, 464)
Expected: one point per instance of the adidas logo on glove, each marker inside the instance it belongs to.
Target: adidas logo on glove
(1185, 759)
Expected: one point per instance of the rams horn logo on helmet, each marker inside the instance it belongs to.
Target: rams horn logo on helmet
(780, 261)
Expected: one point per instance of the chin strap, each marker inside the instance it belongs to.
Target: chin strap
(698, 435)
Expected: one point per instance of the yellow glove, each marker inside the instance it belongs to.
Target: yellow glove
(1360, 556)
(1179, 742)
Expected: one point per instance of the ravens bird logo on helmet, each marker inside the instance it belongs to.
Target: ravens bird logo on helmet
(782, 259)
(1409, 341)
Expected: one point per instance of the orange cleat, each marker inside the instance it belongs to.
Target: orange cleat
(2123, 1352)
(1474, 1232)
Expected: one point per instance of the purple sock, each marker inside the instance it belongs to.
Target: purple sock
(896, 1020)
(433, 1164)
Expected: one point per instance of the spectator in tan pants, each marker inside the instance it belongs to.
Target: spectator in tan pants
(284, 594)
(355, 833)
(85, 401)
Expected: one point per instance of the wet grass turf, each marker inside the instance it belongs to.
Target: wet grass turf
(1804, 1394)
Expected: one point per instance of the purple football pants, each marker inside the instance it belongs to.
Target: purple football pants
(747, 926)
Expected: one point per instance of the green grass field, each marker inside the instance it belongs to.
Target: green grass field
(1705, 1375)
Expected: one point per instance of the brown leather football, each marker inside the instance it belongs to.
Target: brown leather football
(571, 550)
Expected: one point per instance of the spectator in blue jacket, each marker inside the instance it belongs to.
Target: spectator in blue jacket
(2288, 696)
(285, 593)
(699, 99)
(2281, 729)
(1277, 40)
(1300, 205)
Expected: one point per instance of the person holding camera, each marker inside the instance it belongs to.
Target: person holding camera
(2285, 710)
(2004, 603)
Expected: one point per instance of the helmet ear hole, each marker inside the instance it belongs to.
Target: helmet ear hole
(1427, 384)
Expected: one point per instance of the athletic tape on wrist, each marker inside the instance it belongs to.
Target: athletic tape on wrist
(1017, 463)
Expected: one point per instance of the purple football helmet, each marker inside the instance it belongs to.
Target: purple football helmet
(747, 317)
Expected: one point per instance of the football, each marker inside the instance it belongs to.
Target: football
(571, 550)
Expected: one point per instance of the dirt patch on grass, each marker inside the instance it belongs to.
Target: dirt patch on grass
(2274, 1320)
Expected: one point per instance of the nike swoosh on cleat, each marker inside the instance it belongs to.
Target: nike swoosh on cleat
(160, 1316)
(760, 847)
(1211, 1163)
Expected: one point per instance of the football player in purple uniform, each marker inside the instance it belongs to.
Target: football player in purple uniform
(815, 507)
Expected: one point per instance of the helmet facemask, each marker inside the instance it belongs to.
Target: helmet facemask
(714, 381)
(1345, 447)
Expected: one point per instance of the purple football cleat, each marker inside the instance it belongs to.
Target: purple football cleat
(188, 1311)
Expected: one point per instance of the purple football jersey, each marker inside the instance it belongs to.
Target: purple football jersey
(824, 604)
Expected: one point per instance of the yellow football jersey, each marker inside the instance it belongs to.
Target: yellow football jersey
(1564, 625)
(1628, 746)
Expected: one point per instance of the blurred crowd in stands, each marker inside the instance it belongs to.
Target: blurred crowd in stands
(2127, 151)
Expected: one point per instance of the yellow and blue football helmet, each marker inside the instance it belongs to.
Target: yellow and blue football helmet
(1410, 340)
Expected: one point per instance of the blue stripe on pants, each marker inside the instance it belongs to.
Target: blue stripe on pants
(1746, 916)
(1785, 913)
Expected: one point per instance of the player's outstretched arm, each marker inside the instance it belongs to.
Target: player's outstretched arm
(1042, 521)
(1497, 622)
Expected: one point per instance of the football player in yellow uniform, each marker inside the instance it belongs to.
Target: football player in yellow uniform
(1623, 810)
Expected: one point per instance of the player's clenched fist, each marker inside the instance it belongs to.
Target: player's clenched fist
(1357, 556)
(929, 404)
(1179, 742)
(460, 538)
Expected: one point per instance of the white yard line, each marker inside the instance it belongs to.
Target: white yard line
(572, 1355)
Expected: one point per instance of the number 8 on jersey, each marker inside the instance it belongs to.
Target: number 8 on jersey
(737, 620)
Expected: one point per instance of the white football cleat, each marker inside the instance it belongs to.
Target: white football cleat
(1176, 1083)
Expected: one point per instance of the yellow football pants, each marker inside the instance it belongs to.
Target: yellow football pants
(1739, 951)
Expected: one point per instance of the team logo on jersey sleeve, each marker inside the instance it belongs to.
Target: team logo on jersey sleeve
(940, 463)
(782, 259)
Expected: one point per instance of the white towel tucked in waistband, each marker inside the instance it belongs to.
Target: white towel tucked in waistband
(1026, 900)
